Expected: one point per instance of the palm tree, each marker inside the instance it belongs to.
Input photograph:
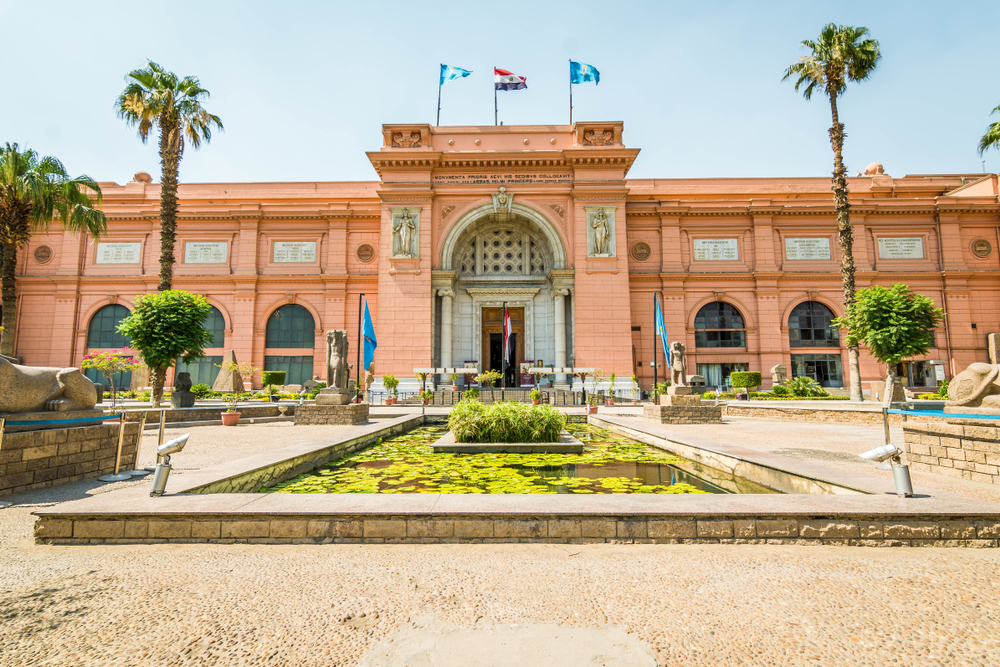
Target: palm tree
(157, 97)
(33, 191)
(992, 137)
(841, 54)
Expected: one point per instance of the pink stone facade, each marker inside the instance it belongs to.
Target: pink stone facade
(761, 245)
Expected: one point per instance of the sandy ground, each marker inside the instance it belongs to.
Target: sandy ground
(518, 604)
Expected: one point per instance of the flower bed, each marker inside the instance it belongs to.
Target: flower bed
(472, 421)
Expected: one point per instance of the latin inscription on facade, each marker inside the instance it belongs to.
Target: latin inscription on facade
(807, 248)
(117, 253)
(716, 250)
(901, 248)
(502, 179)
(198, 252)
(294, 252)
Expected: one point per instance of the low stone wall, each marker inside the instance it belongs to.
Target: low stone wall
(331, 415)
(284, 529)
(683, 414)
(204, 414)
(37, 459)
(853, 414)
(956, 450)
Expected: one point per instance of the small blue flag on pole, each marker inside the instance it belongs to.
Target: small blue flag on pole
(661, 331)
(368, 331)
(582, 72)
(449, 73)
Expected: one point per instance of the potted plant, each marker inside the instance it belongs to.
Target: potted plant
(390, 382)
(594, 399)
(610, 400)
(426, 397)
(635, 391)
(454, 381)
(245, 370)
(231, 417)
(536, 396)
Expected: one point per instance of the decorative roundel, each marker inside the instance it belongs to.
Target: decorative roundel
(641, 251)
(43, 254)
(981, 248)
(365, 252)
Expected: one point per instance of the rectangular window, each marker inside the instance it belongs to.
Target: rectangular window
(717, 375)
(298, 370)
(720, 339)
(203, 371)
(824, 368)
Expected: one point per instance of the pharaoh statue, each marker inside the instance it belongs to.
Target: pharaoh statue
(602, 233)
(678, 364)
(35, 389)
(402, 235)
(336, 360)
(978, 386)
(181, 396)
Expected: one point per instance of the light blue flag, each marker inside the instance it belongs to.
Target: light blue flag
(582, 72)
(661, 330)
(448, 73)
(368, 331)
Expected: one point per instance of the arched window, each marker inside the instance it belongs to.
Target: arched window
(216, 324)
(290, 326)
(809, 326)
(103, 330)
(718, 324)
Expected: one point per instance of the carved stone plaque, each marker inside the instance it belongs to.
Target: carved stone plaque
(209, 252)
(43, 254)
(980, 248)
(641, 251)
(117, 253)
(808, 248)
(716, 250)
(365, 252)
(901, 247)
(294, 252)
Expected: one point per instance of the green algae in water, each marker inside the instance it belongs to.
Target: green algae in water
(406, 464)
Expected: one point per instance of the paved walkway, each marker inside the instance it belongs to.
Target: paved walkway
(411, 604)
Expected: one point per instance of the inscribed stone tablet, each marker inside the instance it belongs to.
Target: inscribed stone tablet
(294, 251)
(117, 253)
(197, 252)
(901, 247)
(716, 250)
(815, 248)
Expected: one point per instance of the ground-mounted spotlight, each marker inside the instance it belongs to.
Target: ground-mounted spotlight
(900, 471)
(163, 467)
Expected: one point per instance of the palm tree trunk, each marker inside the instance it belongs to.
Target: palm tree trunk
(846, 233)
(170, 158)
(159, 376)
(8, 275)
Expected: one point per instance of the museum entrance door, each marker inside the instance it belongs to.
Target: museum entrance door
(493, 342)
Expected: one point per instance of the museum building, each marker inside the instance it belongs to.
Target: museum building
(544, 219)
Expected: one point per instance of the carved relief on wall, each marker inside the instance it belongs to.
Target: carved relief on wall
(598, 138)
(403, 140)
(641, 251)
(447, 210)
(600, 232)
(502, 200)
(405, 233)
(559, 210)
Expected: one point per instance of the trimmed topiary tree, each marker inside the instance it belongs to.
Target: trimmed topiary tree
(272, 378)
(745, 379)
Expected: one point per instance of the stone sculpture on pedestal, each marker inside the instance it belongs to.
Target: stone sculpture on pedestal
(680, 405)
(779, 374)
(181, 396)
(333, 403)
(678, 364)
(37, 389)
(978, 386)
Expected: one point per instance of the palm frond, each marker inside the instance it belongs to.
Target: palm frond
(839, 55)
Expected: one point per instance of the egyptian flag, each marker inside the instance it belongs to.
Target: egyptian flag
(504, 80)
(508, 339)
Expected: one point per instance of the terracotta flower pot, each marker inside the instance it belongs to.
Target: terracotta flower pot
(592, 409)
(454, 387)
(609, 401)
(230, 418)
(536, 401)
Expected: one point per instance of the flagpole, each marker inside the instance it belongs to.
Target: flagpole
(494, 95)
(438, 124)
(361, 310)
(655, 377)
(570, 91)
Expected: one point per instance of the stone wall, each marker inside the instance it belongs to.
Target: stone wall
(847, 414)
(683, 414)
(37, 459)
(204, 414)
(303, 529)
(956, 450)
(332, 415)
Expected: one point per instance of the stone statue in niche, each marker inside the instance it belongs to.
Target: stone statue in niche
(602, 234)
(678, 364)
(337, 372)
(403, 230)
(502, 201)
(35, 389)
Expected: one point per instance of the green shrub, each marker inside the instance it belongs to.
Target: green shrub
(709, 395)
(472, 393)
(505, 421)
(780, 390)
(745, 379)
(535, 395)
(390, 382)
(803, 386)
(201, 390)
(272, 377)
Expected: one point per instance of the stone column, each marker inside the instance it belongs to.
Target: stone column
(446, 326)
(560, 327)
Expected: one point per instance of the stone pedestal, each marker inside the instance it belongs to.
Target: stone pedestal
(332, 396)
(36, 421)
(332, 415)
(686, 413)
(685, 400)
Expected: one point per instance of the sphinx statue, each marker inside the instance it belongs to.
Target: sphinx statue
(978, 386)
(38, 389)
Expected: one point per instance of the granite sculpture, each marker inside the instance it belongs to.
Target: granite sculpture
(37, 389)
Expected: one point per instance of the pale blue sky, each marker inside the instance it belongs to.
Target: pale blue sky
(303, 87)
